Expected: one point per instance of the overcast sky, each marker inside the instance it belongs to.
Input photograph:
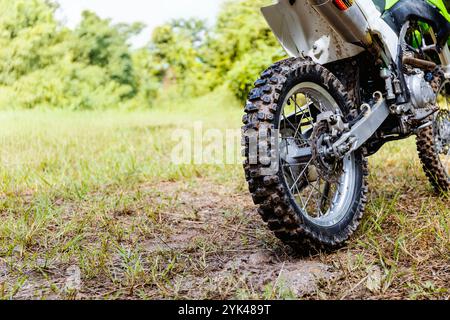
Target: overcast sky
(150, 12)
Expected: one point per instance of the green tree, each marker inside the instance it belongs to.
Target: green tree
(177, 46)
(241, 46)
(44, 64)
(30, 38)
(99, 43)
(148, 77)
(234, 52)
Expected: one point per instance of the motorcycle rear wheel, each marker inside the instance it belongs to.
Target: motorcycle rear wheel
(303, 207)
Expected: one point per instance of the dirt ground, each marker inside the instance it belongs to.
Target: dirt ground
(83, 220)
(244, 255)
(209, 243)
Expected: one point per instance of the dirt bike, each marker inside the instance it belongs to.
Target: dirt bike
(362, 73)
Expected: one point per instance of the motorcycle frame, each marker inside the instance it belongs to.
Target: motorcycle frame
(303, 30)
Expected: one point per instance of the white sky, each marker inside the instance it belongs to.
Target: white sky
(150, 12)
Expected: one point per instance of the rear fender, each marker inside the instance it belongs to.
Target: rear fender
(302, 31)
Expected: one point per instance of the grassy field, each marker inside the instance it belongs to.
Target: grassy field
(92, 208)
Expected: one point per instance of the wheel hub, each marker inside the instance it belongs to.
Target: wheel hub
(328, 167)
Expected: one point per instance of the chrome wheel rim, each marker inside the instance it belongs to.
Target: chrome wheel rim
(319, 200)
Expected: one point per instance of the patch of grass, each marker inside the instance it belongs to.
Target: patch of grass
(97, 190)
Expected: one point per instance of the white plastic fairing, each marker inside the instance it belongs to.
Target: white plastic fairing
(378, 26)
(301, 30)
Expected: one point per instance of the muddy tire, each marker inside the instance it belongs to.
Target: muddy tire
(431, 162)
(433, 141)
(271, 192)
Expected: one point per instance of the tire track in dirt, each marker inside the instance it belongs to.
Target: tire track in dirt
(244, 252)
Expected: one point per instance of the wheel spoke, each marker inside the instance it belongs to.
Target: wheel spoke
(303, 172)
(296, 187)
(309, 198)
(300, 124)
(325, 196)
(286, 121)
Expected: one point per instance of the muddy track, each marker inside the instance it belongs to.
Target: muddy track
(242, 249)
(219, 243)
(207, 241)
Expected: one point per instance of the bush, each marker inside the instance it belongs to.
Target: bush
(45, 65)
(241, 78)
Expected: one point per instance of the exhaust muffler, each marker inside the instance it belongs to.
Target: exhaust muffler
(346, 18)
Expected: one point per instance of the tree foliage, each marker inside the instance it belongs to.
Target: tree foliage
(240, 35)
(45, 64)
